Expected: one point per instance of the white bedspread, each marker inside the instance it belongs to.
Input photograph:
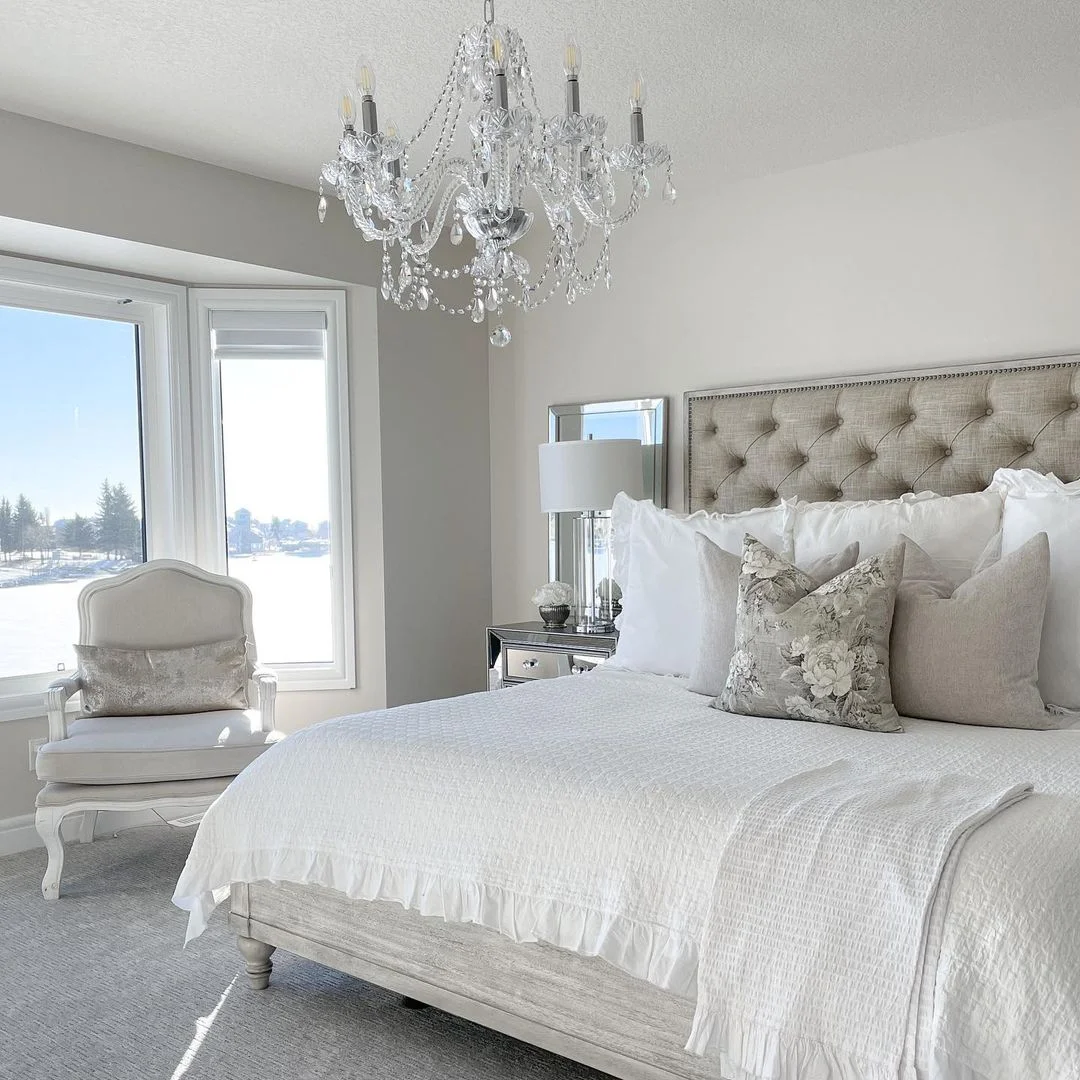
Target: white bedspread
(592, 813)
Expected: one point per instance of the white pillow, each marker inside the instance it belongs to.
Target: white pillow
(655, 557)
(1036, 503)
(954, 530)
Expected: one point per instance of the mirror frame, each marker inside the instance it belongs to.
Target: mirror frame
(654, 411)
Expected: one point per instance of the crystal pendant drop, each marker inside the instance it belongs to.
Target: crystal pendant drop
(670, 194)
(642, 186)
(457, 234)
(423, 298)
(425, 229)
(477, 310)
(385, 290)
(491, 301)
(499, 337)
(322, 209)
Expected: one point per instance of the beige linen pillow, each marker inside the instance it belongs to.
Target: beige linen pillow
(812, 652)
(971, 656)
(718, 582)
(156, 682)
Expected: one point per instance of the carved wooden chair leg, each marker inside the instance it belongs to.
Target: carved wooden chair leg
(412, 1003)
(48, 820)
(257, 961)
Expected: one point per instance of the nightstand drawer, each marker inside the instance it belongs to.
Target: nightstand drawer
(534, 664)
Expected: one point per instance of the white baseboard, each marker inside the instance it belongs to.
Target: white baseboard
(19, 834)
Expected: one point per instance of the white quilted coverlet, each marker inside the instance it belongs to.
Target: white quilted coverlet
(593, 813)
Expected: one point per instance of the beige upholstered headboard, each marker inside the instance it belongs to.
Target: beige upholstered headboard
(880, 436)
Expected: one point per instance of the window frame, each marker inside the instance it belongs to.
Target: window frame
(209, 466)
(159, 312)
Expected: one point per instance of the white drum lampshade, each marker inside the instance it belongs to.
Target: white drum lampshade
(587, 474)
(583, 478)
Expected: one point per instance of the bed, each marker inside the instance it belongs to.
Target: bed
(627, 1007)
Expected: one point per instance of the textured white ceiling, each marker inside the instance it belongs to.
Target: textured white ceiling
(737, 88)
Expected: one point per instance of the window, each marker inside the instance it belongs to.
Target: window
(128, 433)
(71, 503)
(274, 369)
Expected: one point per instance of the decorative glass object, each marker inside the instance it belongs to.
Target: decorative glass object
(492, 146)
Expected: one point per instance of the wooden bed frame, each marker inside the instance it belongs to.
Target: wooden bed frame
(945, 430)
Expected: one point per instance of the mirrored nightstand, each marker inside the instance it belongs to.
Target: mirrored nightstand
(526, 651)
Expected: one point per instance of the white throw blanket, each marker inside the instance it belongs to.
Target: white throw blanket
(592, 813)
(811, 957)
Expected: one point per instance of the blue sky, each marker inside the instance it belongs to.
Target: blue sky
(68, 409)
(69, 419)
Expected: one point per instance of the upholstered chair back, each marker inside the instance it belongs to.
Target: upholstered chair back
(165, 604)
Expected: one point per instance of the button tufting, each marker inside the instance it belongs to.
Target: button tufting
(873, 457)
(776, 427)
(948, 452)
(1074, 404)
(839, 421)
(806, 459)
(1030, 450)
(740, 462)
(911, 417)
(714, 430)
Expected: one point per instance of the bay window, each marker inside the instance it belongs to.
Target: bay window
(141, 420)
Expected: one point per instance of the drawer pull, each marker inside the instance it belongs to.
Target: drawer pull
(529, 664)
(575, 670)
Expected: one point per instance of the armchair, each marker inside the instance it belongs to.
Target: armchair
(147, 762)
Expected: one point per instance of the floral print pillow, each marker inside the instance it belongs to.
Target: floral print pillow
(814, 653)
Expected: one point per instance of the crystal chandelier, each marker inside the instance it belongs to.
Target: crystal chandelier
(512, 149)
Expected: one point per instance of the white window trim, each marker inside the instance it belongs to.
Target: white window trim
(210, 539)
(160, 311)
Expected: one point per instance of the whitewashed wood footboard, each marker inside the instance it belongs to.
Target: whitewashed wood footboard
(582, 1008)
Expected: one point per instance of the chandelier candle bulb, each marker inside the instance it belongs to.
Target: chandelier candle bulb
(347, 110)
(365, 77)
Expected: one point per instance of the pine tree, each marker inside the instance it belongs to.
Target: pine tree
(128, 528)
(7, 529)
(78, 534)
(25, 524)
(105, 521)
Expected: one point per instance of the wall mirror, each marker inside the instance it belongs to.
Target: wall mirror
(641, 418)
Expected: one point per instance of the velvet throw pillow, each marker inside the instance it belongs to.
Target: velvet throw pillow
(158, 682)
(718, 585)
(811, 652)
(971, 656)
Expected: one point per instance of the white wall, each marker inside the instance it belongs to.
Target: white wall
(956, 249)
(418, 404)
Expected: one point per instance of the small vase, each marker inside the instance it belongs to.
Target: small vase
(554, 615)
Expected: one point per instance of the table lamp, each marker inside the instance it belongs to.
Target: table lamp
(583, 477)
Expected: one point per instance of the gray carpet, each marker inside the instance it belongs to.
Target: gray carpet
(97, 986)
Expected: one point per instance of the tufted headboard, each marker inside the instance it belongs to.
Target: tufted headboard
(945, 430)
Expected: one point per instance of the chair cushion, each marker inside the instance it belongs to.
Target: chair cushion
(152, 749)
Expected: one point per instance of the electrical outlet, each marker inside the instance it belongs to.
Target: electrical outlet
(34, 744)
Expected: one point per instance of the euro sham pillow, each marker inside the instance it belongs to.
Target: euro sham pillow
(971, 656)
(1036, 503)
(158, 682)
(656, 566)
(954, 529)
(718, 584)
(810, 652)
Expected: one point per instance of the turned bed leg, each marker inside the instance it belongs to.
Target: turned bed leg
(257, 961)
(48, 821)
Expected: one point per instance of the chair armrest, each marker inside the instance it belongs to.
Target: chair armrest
(56, 699)
(265, 683)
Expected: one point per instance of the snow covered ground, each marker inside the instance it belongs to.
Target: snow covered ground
(292, 613)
